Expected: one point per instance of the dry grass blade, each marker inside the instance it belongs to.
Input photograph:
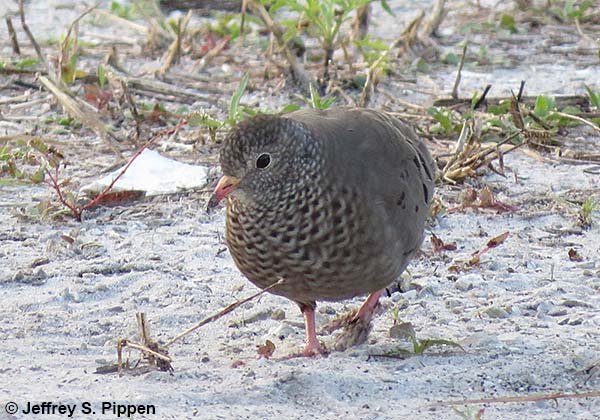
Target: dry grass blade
(578, 119)
(174, 51)
(72, 107)
(433, 23)
(36, 46)
(14, 42)
(221, 313)
(473, 156)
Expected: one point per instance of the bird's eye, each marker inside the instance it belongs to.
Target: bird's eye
(263, 161)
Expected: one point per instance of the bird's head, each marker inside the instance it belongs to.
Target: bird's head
(264, 159)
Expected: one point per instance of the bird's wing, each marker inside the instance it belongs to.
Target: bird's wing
(385, 159)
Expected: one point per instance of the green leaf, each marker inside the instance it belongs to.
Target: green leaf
(289, 108)
(508, 22)
(452, 59)
(443, 117)
(28, 62)
(385, 5)
(594, 96)
(203, 119)
(235, 99)
(101, 76)
(544, 105)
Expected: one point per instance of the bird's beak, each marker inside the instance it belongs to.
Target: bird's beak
(224, 187)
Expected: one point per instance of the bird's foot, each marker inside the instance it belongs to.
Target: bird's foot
(356, 324)
(311, 351)
(340, 322)
(355, 332)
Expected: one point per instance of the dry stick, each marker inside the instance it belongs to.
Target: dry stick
(433, 23)
(297, 70)
(521, 89)
(213, 52)
(38, 51)
(521, 399)
(221, 313)
(13, 36)
(174, 52)
(156, 86)
(482, 97)
(576, 118)
(121, 21)
(74, 110)
(458, 74)
(126, 343)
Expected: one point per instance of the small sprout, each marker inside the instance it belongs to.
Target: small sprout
(444, 117)
(544, 105)
(470, 413)
(27, 62)
(316, 101)
(594, 96)
(508, 22)
(405, 331)
(586, 211)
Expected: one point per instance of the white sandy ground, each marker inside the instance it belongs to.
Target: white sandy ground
(528, 317)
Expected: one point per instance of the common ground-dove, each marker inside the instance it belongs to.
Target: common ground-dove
(333, 202)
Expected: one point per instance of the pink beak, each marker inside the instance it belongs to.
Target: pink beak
(224, 187)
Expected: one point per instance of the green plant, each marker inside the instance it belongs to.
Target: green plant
(594, 96)
(321, 20)
(586, 212)
(406, 331)
(316, 101)
(446, 123)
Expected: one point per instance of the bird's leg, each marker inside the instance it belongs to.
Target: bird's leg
(368, 307)
(313, 346)
(356, 324)
(364, 313)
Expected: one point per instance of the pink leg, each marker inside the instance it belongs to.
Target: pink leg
(313, 347)
(366, 310)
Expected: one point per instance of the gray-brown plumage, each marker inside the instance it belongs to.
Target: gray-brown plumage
(332, 201)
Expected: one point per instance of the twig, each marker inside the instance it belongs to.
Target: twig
(576, 118)
(121, 21)
(221, 313)
(521, 89)
(156, 86)
(36, 46)
(213, 52)
(174, 52)
(482, 97)
(458, 74)
(143, 348)
(72, 107)
(297, 70)
(13, 36)
(432, 24)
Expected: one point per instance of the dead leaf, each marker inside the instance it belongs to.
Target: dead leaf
(439, 245)
(574, 255)
(266, 350)
(497, 240)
